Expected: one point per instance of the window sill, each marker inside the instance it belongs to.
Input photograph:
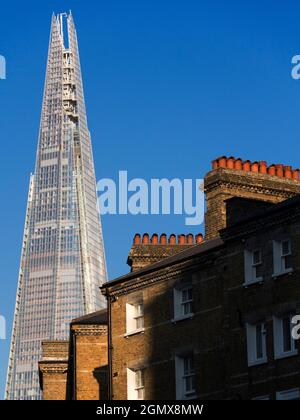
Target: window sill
(191, 396)
(182, 318)
(250, 283)
(139, 331)
(282, 273)
(287, 354)
(258, 362)
(262, 398)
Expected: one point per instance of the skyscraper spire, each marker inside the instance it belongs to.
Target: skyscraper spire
(62, 262)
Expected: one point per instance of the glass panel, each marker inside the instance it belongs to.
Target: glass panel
(286, 331)
(256, 257)
(186, 300)
(285, 248)
(259, 341)
(188, 365)
(187, 308)
(140, 394)
(139, 383)
(139, 309)
(188, 375)
(139, 323)
(139, 315)
(186, 295)
(287, 262)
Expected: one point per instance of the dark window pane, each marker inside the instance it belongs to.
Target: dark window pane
(286, 330)
(259, 342)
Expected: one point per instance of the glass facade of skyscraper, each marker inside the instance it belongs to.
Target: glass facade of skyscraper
(62, 261)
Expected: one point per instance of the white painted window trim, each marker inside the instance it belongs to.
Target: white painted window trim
(177, 299)
(135, 332)
(179, 378)
(132, 390)
(130, 384)
(251, 345)
(140, 387)
(262, 398)
(250, 268)
(278, 339)
(131, 317)
(278, 258)
(289, 394)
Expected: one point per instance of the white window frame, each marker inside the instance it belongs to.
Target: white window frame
(279, 352)
(279, 257)
(133, 388)
(132, 316)
(181, 375)
(262, 398)
(179, 304)
(251, 330)
(139, 315)
(290, 394)
(251, 266)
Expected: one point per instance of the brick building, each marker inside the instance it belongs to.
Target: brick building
(77, 369)
(211, 319)
(207, 321)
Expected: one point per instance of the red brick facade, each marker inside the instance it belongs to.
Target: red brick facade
(181, 325)
(54, 370)
(77, 369)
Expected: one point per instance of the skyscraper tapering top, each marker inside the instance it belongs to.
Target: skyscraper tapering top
(62, 261)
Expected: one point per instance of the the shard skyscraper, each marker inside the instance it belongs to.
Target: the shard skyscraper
(62, 261)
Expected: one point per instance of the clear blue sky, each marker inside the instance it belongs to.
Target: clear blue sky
(169, 85)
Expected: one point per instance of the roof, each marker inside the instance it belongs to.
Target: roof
(187, 254)
(250, 200)
(95, 318)
(283, 205)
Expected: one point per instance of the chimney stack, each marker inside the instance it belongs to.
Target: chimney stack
(255, 180)
(144, 252)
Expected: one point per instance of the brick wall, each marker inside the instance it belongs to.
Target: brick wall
(252, 180)
(54, 387)
(77, 369)
(90, 362)
(146, 251)
(222, 306)
(54, 369)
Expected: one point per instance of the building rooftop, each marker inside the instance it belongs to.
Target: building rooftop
(95, 318)
(205, 246)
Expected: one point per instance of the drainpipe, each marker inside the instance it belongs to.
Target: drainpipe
(110, 349)
(74, 368)
(109, 299)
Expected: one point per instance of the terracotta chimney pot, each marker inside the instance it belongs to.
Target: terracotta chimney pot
(190, 239)
(287, 172)
(254, 167)
(222, 162)
(145, 239)
(172, 239)
(246, 165)
(163, 239)
(137, 239)
(238, 164)
(263, 167)
(154, 239)
(181, 239)
(230, 163)
(272, 170)
(279, 170)
(215, 164)
(199, 238)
